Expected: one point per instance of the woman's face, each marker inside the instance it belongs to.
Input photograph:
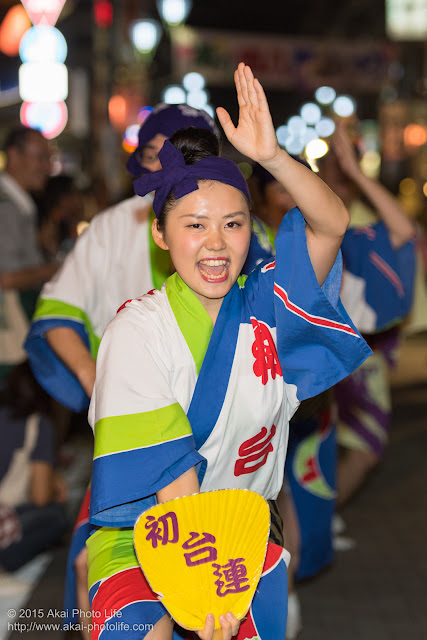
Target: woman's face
(208, 234)
(150, 153)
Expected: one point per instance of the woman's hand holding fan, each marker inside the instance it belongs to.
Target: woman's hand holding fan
(203, 555)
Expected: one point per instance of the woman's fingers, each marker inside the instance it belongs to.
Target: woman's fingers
(225, 122)
(261, 97)
(252, 94)
(208, 631)
(243, 83)
(240, 98)
(229, 625)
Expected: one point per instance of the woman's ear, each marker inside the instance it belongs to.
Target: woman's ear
(158, 236)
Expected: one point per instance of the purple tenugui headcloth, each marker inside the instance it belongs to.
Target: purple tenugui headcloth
(182, 178)
(166, 119)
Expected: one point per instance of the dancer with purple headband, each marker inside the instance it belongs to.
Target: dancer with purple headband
(191, 376)
(71, 314)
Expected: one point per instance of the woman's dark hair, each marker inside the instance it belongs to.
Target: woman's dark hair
(194, 144)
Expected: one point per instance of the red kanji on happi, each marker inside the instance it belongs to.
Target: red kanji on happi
(206, 552)
(164, 529)
(264, 352)
(231, 577)
(254, 452)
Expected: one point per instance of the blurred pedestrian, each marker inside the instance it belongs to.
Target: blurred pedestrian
(60, 209)
(22, 269)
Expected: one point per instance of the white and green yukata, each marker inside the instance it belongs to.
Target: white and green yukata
(174, 392)
(114, 259)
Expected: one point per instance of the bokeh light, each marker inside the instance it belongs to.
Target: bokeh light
(15, 23)
(407, 187)
(310, 113)
(425, 189)
(103, 13)
(144, 113)
(210, 110)
(294, 146)
(197, 98)
(371, 163)
(325, 127)
(316, 149)
(145, 35)
(415, 135)
(174, 12)
(49, 118)
(43, 81)
(325, 95)
(117, 111)
(193, 81)
(309, 135)
(43, 44)
(174, 94)
(344, 106)
(246, 169)
(282, 134)
(296, 125)
(130, 136)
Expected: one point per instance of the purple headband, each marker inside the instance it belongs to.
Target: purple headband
(182, 178)
(166, 119)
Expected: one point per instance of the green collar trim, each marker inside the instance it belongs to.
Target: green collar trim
(192, 318)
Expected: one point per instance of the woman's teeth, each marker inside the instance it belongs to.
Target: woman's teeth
(213, 263)
(214, 269)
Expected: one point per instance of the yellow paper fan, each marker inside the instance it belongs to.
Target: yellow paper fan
(204, 553)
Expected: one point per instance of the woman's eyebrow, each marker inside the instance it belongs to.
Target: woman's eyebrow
(203, 217)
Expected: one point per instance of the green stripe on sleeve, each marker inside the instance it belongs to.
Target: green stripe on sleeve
(49, 309)
(136, 430)
(110, 551)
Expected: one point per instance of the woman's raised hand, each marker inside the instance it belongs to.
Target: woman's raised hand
(254, 135)
(345, 152)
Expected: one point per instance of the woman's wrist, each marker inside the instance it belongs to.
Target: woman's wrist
(275, 163)
(86, 375)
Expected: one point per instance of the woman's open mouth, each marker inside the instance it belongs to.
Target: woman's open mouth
(214, 269)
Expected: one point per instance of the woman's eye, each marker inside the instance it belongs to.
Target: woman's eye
(232, 224)
(196, 225)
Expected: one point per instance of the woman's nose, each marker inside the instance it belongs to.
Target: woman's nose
(215, 240)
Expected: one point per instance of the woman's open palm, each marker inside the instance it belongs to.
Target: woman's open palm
(254, 135)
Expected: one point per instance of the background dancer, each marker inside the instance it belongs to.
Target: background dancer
(379, 261)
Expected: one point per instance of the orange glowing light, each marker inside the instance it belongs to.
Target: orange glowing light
(415, 135)
(117, 112)
(425, 189)
(15, 23)
(129, 148)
